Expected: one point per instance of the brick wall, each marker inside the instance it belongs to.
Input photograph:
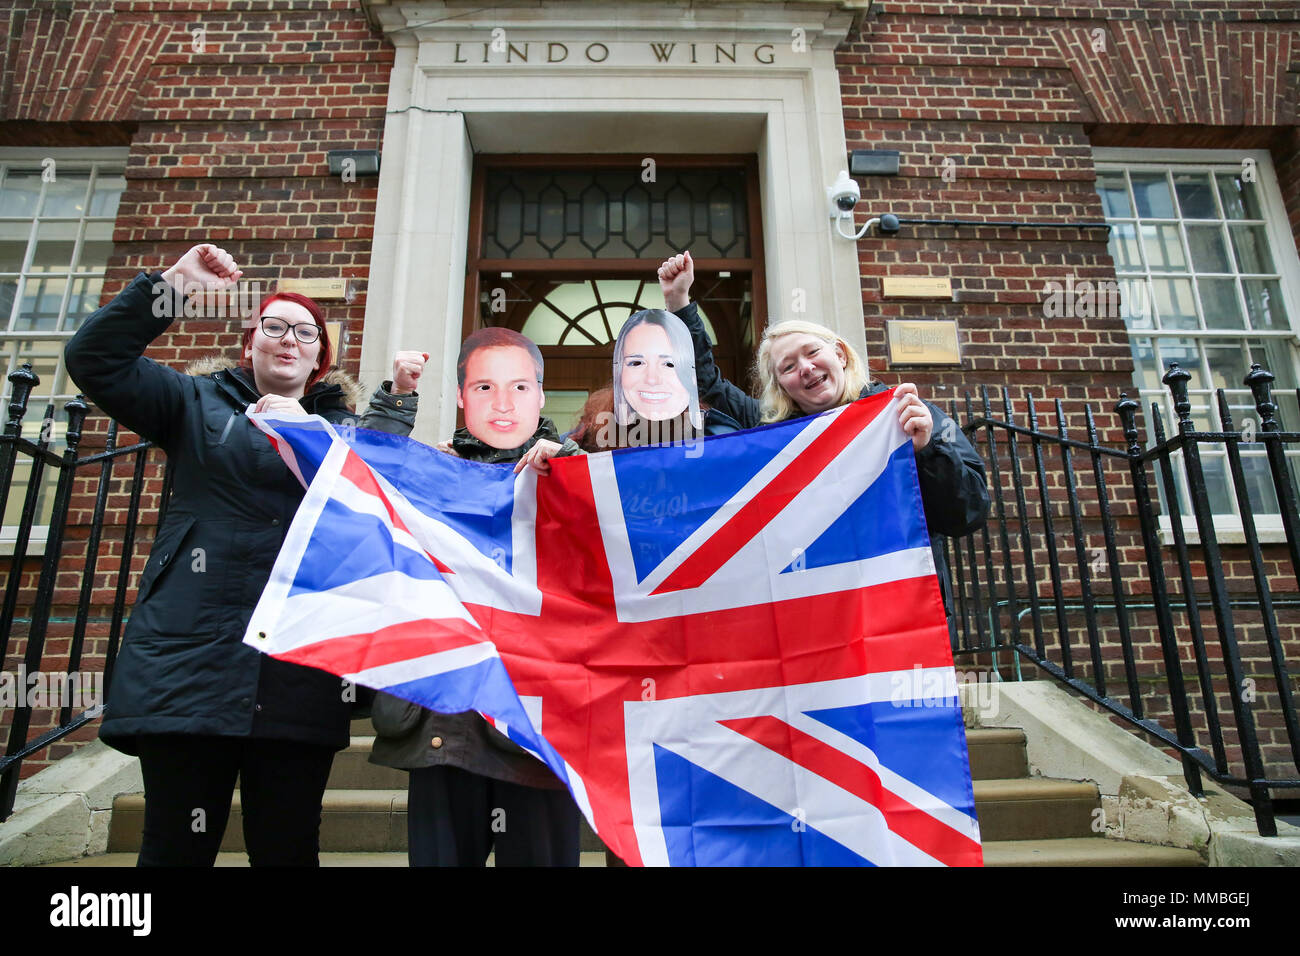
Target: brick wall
(1015, 97)
(229, 109)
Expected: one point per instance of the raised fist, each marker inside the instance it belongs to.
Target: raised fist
(205, 268)
(675, 278)
(407, 368)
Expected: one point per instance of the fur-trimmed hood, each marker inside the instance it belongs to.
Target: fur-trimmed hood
(353, 391)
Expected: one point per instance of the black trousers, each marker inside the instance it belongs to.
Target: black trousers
(455, 818)
(189, 782)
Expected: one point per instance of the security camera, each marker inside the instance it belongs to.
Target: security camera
(843, 196)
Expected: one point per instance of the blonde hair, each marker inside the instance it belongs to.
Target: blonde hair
(774, 404)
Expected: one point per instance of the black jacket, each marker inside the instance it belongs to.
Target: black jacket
(954, 491)
(183, 666)
(408, 737)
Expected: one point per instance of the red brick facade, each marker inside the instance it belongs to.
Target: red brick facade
(229, 107)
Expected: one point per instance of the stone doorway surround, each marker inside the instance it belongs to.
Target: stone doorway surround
(587, 77)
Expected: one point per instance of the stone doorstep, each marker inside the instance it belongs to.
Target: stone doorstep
(1143, 795)
(365, 821)
(64, 811)
(1085, 852)
(1035, 809)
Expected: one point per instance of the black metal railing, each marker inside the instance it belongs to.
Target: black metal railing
(38, 605)
(1080, 561)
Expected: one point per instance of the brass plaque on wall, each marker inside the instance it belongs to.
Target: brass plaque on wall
(923, 342)
(916, 287)
(322, 290)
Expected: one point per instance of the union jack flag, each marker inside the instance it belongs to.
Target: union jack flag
(727, 649)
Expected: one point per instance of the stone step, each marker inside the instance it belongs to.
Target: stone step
(995, 754)
(1035, 809)
(365, 821)
(1085, 851)
(352, 769)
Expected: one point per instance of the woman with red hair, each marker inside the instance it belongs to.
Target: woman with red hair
(195, 703)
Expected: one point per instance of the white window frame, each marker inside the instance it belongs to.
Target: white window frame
(70, 159)
(1282, 243)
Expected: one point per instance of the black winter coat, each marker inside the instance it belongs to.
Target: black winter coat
(183, 667)
(954, 491)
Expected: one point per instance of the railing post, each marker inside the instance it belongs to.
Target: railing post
(1260, 382)
(22, 380)
(1260, 576)
(1112, 560)
(1127, 411)
(1176, 379)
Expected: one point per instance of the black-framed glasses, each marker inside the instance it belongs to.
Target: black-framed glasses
(304, 332)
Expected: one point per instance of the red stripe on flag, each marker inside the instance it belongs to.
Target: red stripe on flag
(397, 642)
(914, 825)
(704, 562)
(358, 472)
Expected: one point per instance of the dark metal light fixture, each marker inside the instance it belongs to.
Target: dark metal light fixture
(358, 162)
(873, 162)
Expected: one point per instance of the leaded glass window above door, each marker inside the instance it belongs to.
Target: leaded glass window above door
(565, 248)
(615, 213)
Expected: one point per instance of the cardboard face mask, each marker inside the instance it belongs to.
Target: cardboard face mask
(499, 376)
(654, 369)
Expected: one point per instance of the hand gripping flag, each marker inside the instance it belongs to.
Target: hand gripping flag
(732, 651)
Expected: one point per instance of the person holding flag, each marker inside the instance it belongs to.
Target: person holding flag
(197, 705)
(803, 369)
(470, 789)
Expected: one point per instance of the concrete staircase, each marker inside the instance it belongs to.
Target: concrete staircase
(1024, 821)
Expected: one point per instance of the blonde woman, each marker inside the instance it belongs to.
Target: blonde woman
(804, 368)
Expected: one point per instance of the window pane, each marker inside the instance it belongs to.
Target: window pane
(1151, 192)
(44, 357)
(1175, 304)
(108, 190)
(1135, 303)
(1279, 357)
(1251, 246)
(1228, 366)
(21, 193)
(86, 291)
(8, 289)
(1145, 368)
(65, 196)
(1209, 252)
(96, 247)
(1240, 199)
(1219, 304)
(55, 242)
(1114, 196)
(42, 301)
(1124, 247)
(13, 245)
(1185, 353)
(1164, 248)
(1195, 196)
(1264, 303)
(1259, 483)
(1215, 468)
